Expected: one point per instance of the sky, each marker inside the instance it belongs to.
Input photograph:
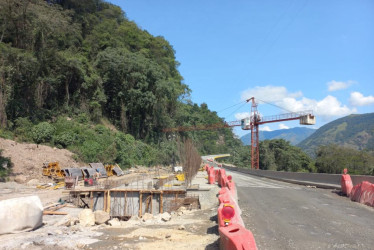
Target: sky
(295, 54)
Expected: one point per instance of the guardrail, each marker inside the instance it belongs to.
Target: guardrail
(315, 179)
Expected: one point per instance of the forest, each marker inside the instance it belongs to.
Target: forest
(80, 75)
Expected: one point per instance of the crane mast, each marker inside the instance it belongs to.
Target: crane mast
(252, 123)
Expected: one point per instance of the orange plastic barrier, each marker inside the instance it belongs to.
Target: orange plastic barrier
(363, 193)
(211, 176)
(236, 237)
(216, 172)
(346, 184)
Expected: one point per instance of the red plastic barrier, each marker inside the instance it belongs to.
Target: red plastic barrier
(211, 176)
(236, 237)
(216, 172)
(363, 193)
(346, 184)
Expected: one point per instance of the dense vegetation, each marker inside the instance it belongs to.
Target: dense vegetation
(280, 155)
(333, 159)
(5, 167)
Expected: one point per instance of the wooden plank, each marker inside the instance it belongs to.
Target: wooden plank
(161, 204)
(140, 204)
(108, 203)
(91, 200)
(54, 213)
(124, 212)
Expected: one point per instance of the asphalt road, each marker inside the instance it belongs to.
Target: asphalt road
(289, 216)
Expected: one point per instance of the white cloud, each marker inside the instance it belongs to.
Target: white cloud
(269, 93)
(327, 108)
(265, 128)
(282, 126)
(243, 115)
(335, 85)
(358, 99)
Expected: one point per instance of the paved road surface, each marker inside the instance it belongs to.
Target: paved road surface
(289, 216)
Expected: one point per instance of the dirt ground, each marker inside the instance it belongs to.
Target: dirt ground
(187, 229)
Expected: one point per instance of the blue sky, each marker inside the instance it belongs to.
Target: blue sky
(297, 54)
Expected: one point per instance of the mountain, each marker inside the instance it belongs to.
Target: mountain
(354, 131)
(294, 135)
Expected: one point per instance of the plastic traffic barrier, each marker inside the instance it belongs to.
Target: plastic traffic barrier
(211, 176)
(236, 237)
(346, 184)
(228, 213)
(363, 193)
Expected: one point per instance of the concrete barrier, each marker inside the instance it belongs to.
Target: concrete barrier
(316, 179)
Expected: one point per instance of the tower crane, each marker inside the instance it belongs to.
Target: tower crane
(252, 123)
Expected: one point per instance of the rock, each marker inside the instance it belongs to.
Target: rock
(114, 222)
(86, 218)
(165, 216)
(33, 182)
(20, 179)
(147, 217)
(101, 217)
(20, 214)
(167, 236)
(181, 227)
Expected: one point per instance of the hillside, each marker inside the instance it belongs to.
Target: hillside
(90, 80)
(293, 135)
(354, 131)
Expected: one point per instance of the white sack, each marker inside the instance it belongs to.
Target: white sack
(20, 214)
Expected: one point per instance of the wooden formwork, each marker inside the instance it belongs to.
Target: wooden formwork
(129, 202)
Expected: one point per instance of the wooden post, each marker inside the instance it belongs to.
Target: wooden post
(151, 203)
(104, 200)
(108, 202)
(161, 204)
(91, 201)
(124, 212)
(140, 203)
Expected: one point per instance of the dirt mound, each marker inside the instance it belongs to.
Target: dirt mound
(28, 159)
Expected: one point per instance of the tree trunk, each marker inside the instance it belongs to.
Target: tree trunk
(123, 117)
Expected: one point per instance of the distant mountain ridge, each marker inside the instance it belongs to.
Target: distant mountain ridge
(355, 131)
(294, 135)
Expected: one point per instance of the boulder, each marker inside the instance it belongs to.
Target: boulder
(20, 214)
(147, 216)
(165, 216)
(86, 218)
(101, 217)
(20, 179)
(114, 222)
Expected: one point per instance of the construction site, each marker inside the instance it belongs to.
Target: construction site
(98, 206)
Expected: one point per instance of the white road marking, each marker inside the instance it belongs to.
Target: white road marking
(247, 181)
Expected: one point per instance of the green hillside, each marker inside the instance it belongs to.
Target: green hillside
(353, 131)
(80, 75)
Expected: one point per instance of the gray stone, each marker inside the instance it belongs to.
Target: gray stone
(114, 222)
(181, 227)
(20, 179)
(101, 217)
(87, 217)
(165, 216)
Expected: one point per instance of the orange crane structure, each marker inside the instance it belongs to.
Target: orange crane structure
(252, 123)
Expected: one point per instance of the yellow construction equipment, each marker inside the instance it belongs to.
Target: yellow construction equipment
(53, 169)
(109, 170)
(180, 177)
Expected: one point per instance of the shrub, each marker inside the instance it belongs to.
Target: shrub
(43, 132)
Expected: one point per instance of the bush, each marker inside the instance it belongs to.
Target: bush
(43, 132)
(5, 167)
(65, 139)
(23, 127)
